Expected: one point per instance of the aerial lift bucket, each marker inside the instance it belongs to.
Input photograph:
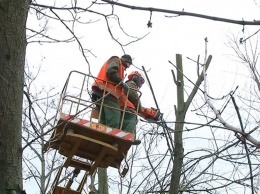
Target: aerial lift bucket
(101, 146)
(79, 138)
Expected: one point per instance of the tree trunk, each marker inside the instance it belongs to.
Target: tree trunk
(102, 181)
(13, 15)
(180, 116)
(180, 113)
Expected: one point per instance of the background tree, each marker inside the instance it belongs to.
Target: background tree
(13, 15)
(39, 109)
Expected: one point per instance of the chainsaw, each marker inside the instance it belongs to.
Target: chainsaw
(151, 114)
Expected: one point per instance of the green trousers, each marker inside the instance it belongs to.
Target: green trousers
(129, 123)
(110, 116)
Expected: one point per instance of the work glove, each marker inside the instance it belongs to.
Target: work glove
(125, 86)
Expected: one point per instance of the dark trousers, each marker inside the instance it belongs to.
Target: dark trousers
(110, 113)
(129, 123)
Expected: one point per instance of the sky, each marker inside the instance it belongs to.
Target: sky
(168, 36)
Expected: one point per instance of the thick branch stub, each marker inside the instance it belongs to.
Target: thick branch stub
(174, 79)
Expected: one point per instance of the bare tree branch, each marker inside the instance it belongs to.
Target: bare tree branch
(183, 13)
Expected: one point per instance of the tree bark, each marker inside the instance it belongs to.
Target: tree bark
(180, 117)
(102, 181)
(13, 15)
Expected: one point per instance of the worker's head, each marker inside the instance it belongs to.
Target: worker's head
(127, 60)
(137, 78)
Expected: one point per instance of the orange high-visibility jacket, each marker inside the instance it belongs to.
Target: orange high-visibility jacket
(125, 102)
(103, 82)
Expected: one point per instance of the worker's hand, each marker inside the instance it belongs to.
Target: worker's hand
(125, 86)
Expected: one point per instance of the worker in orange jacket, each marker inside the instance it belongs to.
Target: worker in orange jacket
(131, 103)
(109, 84)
